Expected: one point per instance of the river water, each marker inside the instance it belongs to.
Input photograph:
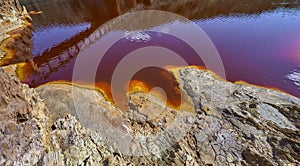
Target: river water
(259, 42)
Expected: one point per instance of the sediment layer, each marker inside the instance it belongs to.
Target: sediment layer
(16, 32)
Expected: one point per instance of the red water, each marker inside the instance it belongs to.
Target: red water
(259, 43)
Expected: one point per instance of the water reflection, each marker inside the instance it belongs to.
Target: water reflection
(45, 39)
(63, 24)
(134, 39)
(206, 9)
(254, 38)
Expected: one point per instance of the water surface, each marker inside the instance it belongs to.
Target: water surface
(259, 42)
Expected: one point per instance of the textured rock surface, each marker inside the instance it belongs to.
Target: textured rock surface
(15, 33)
(234, 124)
(242, 124)
(22, 123)
(12, 16)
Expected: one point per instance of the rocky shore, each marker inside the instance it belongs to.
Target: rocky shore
(254, 125)
(15, 33)
(229, 124)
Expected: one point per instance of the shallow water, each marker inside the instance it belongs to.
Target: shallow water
(259, 42)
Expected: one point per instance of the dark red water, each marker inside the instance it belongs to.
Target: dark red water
(258, 43)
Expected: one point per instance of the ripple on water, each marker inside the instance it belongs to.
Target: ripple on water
(294, 76)
(138, 36)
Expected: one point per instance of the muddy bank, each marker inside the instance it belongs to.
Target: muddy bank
(16, 33)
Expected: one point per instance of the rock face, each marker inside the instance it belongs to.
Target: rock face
(242, 124)
(234, 124)
(15, 33)
(22, 123)
(12, 16)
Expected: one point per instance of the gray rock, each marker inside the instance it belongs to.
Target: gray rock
(247, 125)
(246, 128)
(23, 123)
(228, 124)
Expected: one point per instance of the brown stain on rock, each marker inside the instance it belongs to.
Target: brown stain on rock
(18, 46)
(146, 81)
(153, 77)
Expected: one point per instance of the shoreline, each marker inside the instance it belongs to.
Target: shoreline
(15, 39)
(170, 69)
(222, 123)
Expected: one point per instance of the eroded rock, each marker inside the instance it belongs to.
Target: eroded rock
(245, 129)
(233, 124)
(15, 33)
(252, 126)
(22, 123)
(243, 122)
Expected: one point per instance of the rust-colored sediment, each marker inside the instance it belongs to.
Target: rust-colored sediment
(144, 81)
(153, 77)
(216, 76)
(260, 86)
(35, 12)
(18, 46)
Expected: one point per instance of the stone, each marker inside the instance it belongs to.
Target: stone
(15, 34)
(22, 123)
(234, 132)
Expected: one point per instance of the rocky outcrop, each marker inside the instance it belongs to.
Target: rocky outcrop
(15, 34)
(62, 124)
(22, 123)
(242, 124)
(12, 17)
(234, 124)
